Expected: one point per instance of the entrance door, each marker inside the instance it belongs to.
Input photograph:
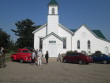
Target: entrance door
(52, 49)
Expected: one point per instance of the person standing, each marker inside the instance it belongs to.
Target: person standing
(33, 57)
(39, 58)
(2, 50)
(47, 56)
(59, 57)
(36, 53)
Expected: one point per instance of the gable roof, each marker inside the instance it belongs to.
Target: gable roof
(52, 33)
(96, 33)
(39, 28)
(68, 30)
(99, 34)
(53, 2)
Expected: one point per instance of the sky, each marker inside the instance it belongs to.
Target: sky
(72, 14)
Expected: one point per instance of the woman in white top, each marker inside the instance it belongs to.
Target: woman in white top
(39, 61)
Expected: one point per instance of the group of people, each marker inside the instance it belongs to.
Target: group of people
(37, 57)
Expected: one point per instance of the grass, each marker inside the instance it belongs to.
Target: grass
(7, 55)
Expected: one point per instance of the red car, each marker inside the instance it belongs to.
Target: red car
(23, 55)
(78, 58)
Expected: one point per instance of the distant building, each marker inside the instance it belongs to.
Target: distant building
(56, 38)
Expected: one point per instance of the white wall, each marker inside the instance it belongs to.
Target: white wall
(57, 50)
(53, 23)
(37, 35)
(64, 33)
(50, 9)
(84, 35)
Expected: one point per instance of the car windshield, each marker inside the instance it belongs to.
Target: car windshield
(25, 51)
(104, 55)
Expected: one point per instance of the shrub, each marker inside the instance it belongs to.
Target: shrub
(69, 53)
(75, 51)
(98, 52)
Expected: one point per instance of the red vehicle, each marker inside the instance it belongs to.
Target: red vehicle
(23, 55)
(78, 58)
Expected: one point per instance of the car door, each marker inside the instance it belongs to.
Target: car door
(94, 58)
(97, 58)
(71, 57)
(74, 57)
(19, 54)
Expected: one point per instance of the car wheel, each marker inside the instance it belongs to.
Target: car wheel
(80, 62)
(21, 60)
(105, 61)
(65, 61)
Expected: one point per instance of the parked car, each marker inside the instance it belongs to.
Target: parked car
(23, 55)
(78, 58)
(101, 58)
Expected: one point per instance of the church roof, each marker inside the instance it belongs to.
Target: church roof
(53, 2)
(98, 33)
(65, 28)
(52, 33)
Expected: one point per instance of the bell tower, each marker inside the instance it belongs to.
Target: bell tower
(53, 17)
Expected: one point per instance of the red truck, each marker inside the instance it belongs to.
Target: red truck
(23, 55)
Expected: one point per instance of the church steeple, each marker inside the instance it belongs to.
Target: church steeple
(53, 2)
(53, 7)
(53, 17)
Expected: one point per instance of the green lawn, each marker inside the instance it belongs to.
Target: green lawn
(7, 55)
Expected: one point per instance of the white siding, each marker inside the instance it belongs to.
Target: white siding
(53, 23)
(83, 34)
(50, 9)
(57, 50)
(37, 35)
(63, 33)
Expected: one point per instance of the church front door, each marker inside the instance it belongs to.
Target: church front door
(52, 49)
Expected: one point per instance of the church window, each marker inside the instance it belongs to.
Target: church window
(52, 41)
(64, 43)
(78, 44)
(53, 10)
(89, 46)
(40, 43)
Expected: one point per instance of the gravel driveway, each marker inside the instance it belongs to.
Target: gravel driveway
(55, 72)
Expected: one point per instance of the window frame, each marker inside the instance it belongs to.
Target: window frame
(88, 44)
(78, 44)
(64, 42)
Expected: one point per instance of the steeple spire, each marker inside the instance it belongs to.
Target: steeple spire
(53, 2)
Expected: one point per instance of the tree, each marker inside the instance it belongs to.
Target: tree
(24, 32)
(4, 39)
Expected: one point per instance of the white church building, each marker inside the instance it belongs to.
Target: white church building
(56, 38)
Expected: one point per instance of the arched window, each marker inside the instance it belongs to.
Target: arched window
(53, 10)
(89, 44)
(78, 44)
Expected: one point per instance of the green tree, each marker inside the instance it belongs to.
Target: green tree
(4, 39)
(24, 32)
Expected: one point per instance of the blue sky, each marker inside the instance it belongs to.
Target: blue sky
(73, 13)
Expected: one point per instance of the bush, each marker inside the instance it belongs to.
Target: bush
(75, 51)
(98, 52)
(69, 53)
